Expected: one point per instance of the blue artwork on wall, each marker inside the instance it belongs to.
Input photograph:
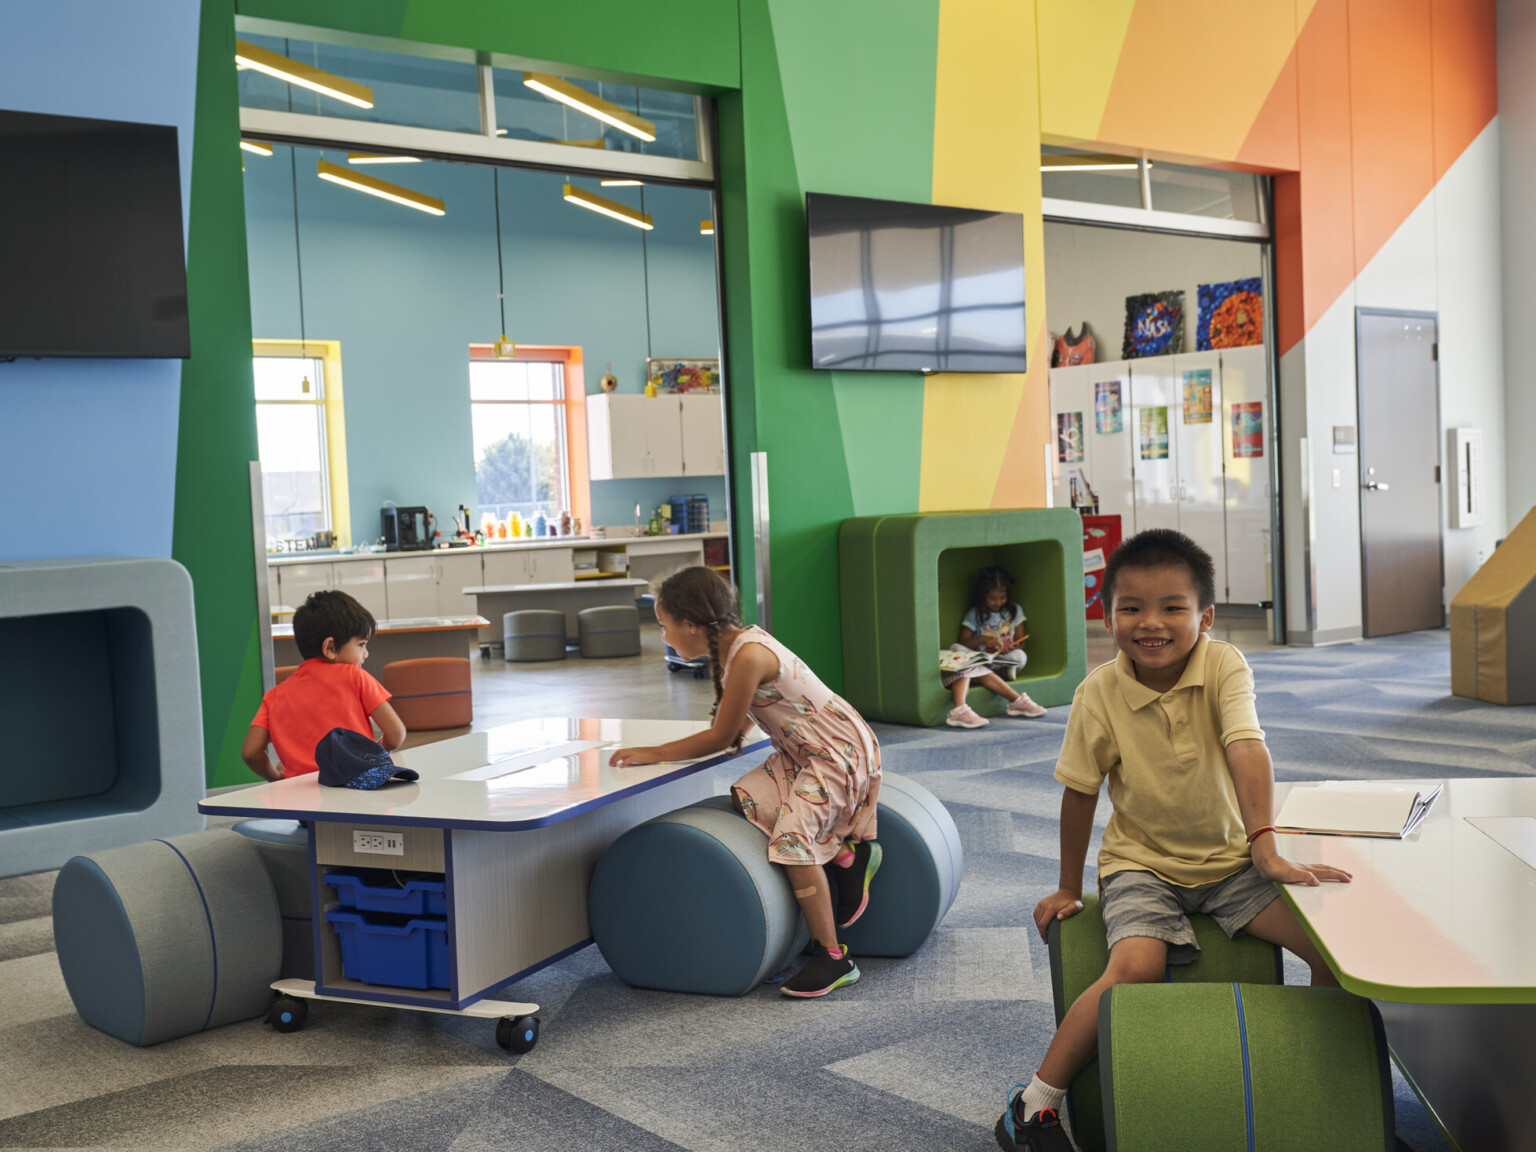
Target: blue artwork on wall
(1154, 325)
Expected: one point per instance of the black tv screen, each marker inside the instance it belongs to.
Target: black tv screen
(91, 254)
(915, 287)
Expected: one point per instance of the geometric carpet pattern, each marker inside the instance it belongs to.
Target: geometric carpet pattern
(915, 1056)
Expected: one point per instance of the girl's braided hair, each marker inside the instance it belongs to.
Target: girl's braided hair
(702, 596)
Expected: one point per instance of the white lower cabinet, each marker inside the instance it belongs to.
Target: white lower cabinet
(411, 586)
(529, 566)
(455, 572)
(299, 580)
(363, 580)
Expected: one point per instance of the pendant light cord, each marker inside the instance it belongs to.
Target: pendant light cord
(501, 278)
(645, 254)
(298, 252)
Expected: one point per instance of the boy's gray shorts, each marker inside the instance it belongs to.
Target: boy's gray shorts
(1141, 904)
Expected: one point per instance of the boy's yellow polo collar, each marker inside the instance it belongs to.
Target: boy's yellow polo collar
(1138, 695)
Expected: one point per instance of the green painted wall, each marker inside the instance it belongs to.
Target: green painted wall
(216, 437)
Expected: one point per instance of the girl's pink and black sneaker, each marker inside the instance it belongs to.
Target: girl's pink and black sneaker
(852, 880)
(822, 973)
(1041, 1132)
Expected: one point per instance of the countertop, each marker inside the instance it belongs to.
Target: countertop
(319, 557)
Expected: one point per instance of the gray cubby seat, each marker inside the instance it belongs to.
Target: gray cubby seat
(688, 902)
(170, 937)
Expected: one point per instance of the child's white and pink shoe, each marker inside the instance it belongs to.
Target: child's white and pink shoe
(965, 717)
(1026, 707)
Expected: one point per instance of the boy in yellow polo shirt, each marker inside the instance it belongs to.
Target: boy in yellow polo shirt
(1170, 724)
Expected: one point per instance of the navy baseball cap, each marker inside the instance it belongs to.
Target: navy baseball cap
(348, 759)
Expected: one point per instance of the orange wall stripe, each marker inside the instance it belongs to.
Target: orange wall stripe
(1465, 77)
(1274, 141)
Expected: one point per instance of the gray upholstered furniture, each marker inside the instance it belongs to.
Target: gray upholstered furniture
(284, 848)
(169, 937)
(106, 650)
(534, 634)
(613, 630)
(688, 902)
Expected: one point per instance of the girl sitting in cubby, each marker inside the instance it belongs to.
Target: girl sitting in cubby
(991, 647)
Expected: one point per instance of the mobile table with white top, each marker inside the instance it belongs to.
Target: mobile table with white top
(513, 819)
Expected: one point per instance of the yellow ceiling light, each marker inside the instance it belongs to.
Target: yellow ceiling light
(259, 147)
(594, 106)
(383, 189)
(304, 75)
(1088, 162)
(706, 227)
(379, 158)
(621, 183)
(598, 143)
(596, 203)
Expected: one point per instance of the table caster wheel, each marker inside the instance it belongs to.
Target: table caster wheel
(517, 1033)
(287, 1014)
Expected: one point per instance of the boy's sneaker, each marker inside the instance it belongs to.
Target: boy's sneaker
(1042, 1132)
(965, 717)
(853, 881)
(822, 974)
(1024, 706)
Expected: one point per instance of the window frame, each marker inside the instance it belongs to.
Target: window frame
(332, 404)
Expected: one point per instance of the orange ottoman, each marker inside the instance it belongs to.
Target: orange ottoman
(430, 693)
(283, 671)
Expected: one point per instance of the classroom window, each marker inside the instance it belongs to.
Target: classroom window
(517, 409)
(291, 441)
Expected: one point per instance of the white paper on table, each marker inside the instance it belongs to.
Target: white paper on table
(1344, 809)
(528, 758)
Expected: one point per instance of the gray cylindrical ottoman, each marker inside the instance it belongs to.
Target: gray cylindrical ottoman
(284, 849)
(613, 630)
(688, 902)
(534, 634)
(169, 937)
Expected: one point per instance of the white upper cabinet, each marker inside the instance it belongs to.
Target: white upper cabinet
(629, 436)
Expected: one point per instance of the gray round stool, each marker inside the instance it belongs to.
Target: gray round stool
(284, 848)
(534, 634)
(613, 630)
(170, 937)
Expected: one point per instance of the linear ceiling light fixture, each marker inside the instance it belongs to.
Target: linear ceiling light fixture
(259, 147)
(280, 67)
(706, 227)
(596, 203)
(379, 158)
(594, 106)
(383, 189)
(616, 183)
(1088, 162)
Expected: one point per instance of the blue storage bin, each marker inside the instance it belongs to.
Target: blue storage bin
(417, 898)
(409, 955)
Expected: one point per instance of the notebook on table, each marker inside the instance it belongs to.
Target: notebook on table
(1338, 808)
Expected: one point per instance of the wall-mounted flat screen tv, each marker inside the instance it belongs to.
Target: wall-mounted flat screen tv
(91, 254)
(915, 287)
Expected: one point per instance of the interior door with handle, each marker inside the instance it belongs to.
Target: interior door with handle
(1402, 570)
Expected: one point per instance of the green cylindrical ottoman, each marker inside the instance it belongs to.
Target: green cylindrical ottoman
(534, 634)
(1079, 953)
(169, 937)
(1243, 1066)
(284, 848)
(613, 630)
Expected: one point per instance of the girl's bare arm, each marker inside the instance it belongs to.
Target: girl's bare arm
(752, 665)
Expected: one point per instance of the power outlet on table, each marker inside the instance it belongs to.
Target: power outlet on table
(380, 843)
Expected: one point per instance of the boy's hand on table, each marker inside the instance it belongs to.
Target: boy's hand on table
(1057, 906)
(1273, 866)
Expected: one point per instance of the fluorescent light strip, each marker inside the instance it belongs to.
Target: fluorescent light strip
(706, 227)
(594, 106)
(622, 183)
(377, 158)
(260, 147)
(617, 211)
(1089, 167)
(295, 72)
(384, 190)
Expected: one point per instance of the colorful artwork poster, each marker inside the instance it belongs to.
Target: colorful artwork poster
(1154, 433)
(1197, 396)
(1106, 407)
(1248, 430)
(1154, 325)
(1069, 437)
(1231, 315)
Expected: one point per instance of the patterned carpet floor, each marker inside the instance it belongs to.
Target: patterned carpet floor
(916, 1056)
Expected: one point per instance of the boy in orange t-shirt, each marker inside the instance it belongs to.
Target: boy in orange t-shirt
(329, 690)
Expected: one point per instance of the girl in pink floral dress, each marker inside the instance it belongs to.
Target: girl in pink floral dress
(814, 797)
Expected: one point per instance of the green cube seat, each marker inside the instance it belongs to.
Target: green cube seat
(905, 584)
(1079, 953)
(1243, 1066)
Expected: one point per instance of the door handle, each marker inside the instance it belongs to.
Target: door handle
(1375, 486)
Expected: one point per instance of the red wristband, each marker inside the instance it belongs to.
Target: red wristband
(1260, 832)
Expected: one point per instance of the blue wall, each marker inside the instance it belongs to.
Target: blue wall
(406, 293)
(88, 447)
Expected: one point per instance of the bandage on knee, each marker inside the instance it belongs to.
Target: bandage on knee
(802, 893)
